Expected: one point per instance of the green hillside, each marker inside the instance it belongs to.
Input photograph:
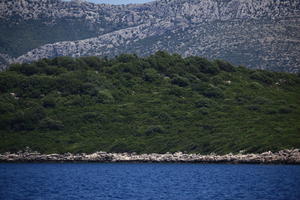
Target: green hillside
(162, 103)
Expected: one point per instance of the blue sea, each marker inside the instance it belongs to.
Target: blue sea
(149, 181)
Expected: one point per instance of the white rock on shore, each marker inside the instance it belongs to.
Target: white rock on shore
(281, 157)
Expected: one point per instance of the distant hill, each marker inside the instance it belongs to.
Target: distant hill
(257, 34)
(161, 103)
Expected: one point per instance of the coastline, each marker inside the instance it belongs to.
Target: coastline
(282, 157)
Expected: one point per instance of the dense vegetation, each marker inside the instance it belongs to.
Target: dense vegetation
(162, 103)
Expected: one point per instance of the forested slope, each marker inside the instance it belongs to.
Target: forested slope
(161, 103)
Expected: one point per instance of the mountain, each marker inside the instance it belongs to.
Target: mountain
(257, 34)
(161, 103)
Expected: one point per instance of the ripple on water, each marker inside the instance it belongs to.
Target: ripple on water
(149, 181)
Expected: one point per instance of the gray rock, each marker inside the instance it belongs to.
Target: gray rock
(281, 157)
(262, 34)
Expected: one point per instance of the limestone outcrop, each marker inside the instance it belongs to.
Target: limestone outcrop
(258, 34)
(282, 157)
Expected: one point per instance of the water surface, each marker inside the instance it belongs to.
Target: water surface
(149, 181)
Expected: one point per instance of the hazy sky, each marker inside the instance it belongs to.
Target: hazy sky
(119, 1)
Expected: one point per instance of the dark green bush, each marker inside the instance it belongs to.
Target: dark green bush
(216, 80)
(8, 81)
(26, 69)
(27, 119)
(69, 63)
(253, 108)
(225, 66)
(180, 81)
(203, 111)
(285, 110)
(176, 91)
(125, 58)
(49, 102)
(120, 146)
(262, 76)
(271, 111)
(261, 100)
(105, 97)
(203, 103)
(242, 99)
(212, 92)
(6, 107)
(90, 116)
(69, 85)
(54, 70)
(151, 130)
(94, 62)
(164, 117)
(50, 124)
(200, 87)
(151, 75)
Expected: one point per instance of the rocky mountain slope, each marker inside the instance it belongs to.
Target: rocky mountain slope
(258, 34)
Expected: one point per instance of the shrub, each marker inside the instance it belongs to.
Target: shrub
(27, 119)
(164, 117)
(69, 85)
(89, 89)
(151, 75)
(54, 70)
(120, 146)
(26, 69)
(216, 80)
(284, 110)
(69, 63)
(242, 99)
(263, 76)
(6, 107)
(271, 111)
(200, 87)
(261, 100)
(93, 62)
(213, 93)
(151, 130)
(8, 81)
(90, 116)
(253, 107)
(129, 68)
(125, 58)
(208, 127)
(80, 100)
(204, 111)
(49, 102)
(203, 103)
(210, 69)
(50, 124)
(202, 64)
(255, 85)
(180, 81)
(176, 91)
(105, 96)
(225, 66)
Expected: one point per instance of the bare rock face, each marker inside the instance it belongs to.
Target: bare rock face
(262, 34)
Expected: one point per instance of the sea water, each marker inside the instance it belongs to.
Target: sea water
(149, 181)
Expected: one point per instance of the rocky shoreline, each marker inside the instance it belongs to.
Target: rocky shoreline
(281, 157)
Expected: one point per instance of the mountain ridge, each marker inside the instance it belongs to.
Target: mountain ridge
(181, 15)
